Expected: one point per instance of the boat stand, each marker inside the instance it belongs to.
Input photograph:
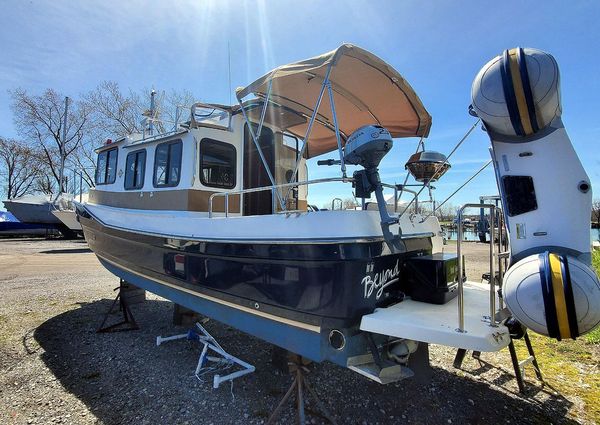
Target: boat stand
(297, 368)
(223, 361)
(518, 366)
(128, 318)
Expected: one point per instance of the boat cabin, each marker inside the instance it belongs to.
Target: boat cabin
(214, 153)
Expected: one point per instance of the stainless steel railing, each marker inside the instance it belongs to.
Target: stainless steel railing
(396, 187)
(461, 299)
(273, 189)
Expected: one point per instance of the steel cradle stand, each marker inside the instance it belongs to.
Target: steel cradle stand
(128, 318)
(299, 369)
(518, 366)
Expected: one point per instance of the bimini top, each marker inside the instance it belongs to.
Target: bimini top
(366, 90)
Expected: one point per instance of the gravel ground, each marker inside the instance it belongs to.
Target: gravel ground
(55, 369)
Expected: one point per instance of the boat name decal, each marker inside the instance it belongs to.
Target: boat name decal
(381, 280)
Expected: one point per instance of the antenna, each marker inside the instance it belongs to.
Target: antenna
(152, 110)
(229, 69)
(62, 149)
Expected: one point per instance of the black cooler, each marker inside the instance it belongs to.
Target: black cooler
(431, 278)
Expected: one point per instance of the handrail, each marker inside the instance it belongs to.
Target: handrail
(275, 188)
(503, 253)
(403, 189)
(461, 300)
(333, 203)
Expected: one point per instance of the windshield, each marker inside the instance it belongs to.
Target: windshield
(210, 116)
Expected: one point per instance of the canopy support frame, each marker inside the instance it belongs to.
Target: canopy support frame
(310, 125)
(337, 129)
(325, 85)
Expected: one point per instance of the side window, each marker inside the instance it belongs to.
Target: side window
(167, 164)
(217, 164)
(134, 169)
(106, 167)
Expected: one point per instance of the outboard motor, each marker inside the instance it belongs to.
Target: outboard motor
(546, 195)
(366, 147)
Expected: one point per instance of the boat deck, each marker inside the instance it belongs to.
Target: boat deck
(438, 324)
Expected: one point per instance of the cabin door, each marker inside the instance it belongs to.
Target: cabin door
(255, 175)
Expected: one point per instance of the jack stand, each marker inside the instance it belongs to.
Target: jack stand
(224, 361)
(460, 356)
(128, 318)
(300, 382)
(518, 366)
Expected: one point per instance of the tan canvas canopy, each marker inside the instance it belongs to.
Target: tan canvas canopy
(366, 90)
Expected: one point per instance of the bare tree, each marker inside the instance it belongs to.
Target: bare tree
(113, 112)
(116, 113)
(44, 183)
(349, 204)
(40, 119)
(176, 105)
(19, 167)
(446, 212)
(84, 161)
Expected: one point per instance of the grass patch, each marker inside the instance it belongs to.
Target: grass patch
(593, 337)
(571, 367)
(596, 261)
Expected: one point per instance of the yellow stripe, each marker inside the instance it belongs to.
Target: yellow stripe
(519, 92)
(269, 316)
(559, 296)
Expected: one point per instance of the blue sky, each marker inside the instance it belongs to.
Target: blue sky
(438, 46)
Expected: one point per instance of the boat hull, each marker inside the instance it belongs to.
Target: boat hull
(16, 228)
(297, 337)
(69, 219)
(25, 212)
(290, 295)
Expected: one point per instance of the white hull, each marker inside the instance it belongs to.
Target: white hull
(33, 209)
(68, 218)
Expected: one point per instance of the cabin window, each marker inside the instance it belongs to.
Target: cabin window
(134, 169)
(290, 141)
(106, 167)
(217, 164)
(167, 164)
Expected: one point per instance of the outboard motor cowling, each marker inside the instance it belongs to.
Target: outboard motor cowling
(366, 147)
(546, 195)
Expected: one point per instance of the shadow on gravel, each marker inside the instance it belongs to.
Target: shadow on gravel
(67, 251)
(22, 238)
(125, 378)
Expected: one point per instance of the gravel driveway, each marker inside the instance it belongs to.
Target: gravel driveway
(56, 369)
